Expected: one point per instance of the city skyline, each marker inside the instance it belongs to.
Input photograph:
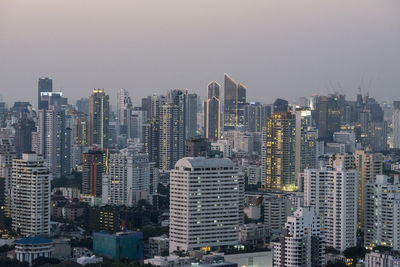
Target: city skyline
(120, 48)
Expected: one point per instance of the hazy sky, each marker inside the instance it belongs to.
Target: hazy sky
(277, 48)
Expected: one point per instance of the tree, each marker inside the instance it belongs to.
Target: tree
(39, 261)
(355, 253)
(336, 264)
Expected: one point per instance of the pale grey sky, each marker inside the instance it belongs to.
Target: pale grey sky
(277, 48)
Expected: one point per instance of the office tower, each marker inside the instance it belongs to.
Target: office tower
(82, 105)
(234, 101)
(3, 113)
(206, 216)
(48, 99)
(368, 165)
(44, 85)
(255, 115)
(396, 124)
(331, 191)
(280, 105)
(301, 243)
(23, 135)
(278, 151)
(327, 115)
(146, 106)
(377, 139)
(306, 141)
(197, 147)
(128, 174)
(7, 154)
(30, 196)
(212, 112)
(190, 115)
(151, 140)
(80, 131)
(98, 118)
(93, 166)
(53, 140)
(382, 220)
(124, 104)
(138, 118)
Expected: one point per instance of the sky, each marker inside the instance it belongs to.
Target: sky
(277, 48)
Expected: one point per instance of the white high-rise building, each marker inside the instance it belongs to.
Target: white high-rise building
(333, 194)
(30, 195)
(301, 242)
(382, 221)
(128, 174)
(204, 204)
(396, 124)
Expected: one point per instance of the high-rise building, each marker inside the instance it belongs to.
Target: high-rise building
(332, 193)
(157, 101)
(278, 152)
(328, 115)
(306, 141)
(276, 210)
(80, 131)
(7, 154)
(212, 112)
(255, 115)
(137, 119)
(30, 196)
(172, 130)
(146, 106)
(98, 118)
(234, 102)
(124, 106)
(368, 165)
(197, 147)
(53, 140)
(23, 135)
(396, 124)
(280, 105)
(83, 105)
(382, 220)
(190, 115)
(301, 243)
(44, 85)
(93, 166)
(128, 174)
(151, 140)
(207, 215)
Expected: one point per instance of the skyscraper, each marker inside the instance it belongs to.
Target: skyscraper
(396, 124)
(171, 142)
(255, 115)
(30, 196)
(190, 114)
(23, 134)
(306, 141)
(278, 152)
(301, 243)
(207, 216)
(151, 140)
(212, 112)
(234, 101)
(44, 85)
(124, 103)
(98, 118)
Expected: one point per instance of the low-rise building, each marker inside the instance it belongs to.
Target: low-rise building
(382, 259)
(30, 248)
(158, 246)
(118, 246)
